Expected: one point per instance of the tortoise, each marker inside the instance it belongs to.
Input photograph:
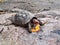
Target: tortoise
(23, 18)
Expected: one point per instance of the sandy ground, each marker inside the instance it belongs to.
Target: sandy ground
(31, 5)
